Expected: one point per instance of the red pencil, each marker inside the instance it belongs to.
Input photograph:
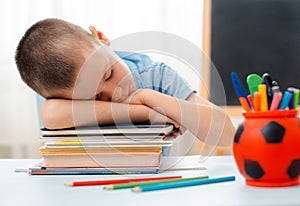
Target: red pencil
(117, 181)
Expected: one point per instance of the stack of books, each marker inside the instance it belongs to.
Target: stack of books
(110, 149)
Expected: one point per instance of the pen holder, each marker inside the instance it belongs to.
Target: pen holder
(266, 148)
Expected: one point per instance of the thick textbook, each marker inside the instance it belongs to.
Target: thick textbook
(104, 159)
(111, 130)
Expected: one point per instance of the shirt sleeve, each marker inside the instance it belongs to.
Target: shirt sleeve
(157, 76)
(164, 79)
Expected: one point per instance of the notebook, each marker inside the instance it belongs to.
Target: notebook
(111, 130)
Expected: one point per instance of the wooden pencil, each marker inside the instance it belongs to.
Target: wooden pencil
(117, 181)
(135, 184)
(187, 183)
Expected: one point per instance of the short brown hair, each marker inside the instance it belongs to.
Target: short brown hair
(49, 53)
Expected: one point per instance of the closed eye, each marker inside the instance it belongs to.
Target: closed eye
(108, 75)
(98, 96)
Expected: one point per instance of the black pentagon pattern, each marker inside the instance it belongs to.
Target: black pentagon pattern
(273, 132)
(238, 133)
(294, 169)
(253, 169)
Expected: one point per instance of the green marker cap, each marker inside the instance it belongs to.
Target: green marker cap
(253, 80)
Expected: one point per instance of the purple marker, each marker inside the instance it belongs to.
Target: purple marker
(291, 103)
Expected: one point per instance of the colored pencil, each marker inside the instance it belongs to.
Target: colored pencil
(135, 184)
(116, 181)
(186, 183)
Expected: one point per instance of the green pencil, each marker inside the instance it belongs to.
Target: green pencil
(135, 184)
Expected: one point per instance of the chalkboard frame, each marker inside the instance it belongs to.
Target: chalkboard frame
(208, 49)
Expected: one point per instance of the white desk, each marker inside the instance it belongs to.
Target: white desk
(23, 189)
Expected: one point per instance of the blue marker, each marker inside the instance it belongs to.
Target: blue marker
(285, 100)
(238, 87)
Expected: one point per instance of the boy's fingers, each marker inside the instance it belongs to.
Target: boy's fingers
(175, 134)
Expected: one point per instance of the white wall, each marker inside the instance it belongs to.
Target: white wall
(19, 135)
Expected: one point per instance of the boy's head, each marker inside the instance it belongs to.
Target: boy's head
(58, 59)
(49, 54)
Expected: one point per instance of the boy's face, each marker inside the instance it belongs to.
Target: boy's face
(104, 76)
(117, 84)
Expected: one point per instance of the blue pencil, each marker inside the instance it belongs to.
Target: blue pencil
(187, 183)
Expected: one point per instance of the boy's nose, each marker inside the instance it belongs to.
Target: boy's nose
(112, 94)
(117, 94)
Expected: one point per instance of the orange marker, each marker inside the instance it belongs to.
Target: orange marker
(256, 103)
(244, 104)
(262, 89)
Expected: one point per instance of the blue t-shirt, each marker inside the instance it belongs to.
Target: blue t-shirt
(157, 76)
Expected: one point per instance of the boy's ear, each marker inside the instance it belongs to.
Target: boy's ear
(99, 35)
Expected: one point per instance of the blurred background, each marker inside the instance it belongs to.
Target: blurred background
(19, 128)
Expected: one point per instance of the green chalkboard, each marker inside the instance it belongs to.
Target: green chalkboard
(255, 36)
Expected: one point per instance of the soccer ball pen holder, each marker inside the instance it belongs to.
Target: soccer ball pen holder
(267, 148)
(266, 145)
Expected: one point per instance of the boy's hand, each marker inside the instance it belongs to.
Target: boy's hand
(156, 115)
(156, 118)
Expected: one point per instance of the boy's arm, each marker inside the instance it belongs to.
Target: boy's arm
(61, 113)
(206, 121)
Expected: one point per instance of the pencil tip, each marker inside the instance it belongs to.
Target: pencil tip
(136, 189)
(108, 187)
(70, 184)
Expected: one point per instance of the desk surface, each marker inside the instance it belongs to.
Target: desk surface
(23, 189)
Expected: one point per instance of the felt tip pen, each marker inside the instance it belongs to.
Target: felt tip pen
(250, 100)
(295, 97)
(291, 103)
(275, 101)
(262, 89)
(285, 100)
(253, 80)
(268, 82)
(256, 102)
(244, 104)
(238, 87)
